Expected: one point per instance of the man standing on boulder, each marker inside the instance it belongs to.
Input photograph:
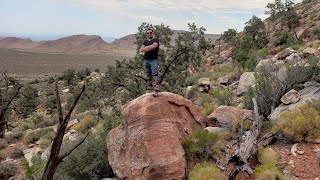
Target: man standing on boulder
(150, 48)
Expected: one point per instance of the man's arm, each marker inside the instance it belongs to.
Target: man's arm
(142, 48)
(149, 48)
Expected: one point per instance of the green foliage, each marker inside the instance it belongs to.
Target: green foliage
(315, 33)
(207, 108)
(284, 38)
(256, 30)
(203, 98)
(224, 96)
(268, 171)
(51, 102)
(7, 170)
(36, 170)
(89, 161)
(51, 80)
(247, 98)
(17, 152)
(27, 102)
(302, 123)
(267, 156)
(229, 36)
(205, 171)
(35, 135)
(14, 136)
(97, 70)
(202, 145)
(69, 76)
(85, 124)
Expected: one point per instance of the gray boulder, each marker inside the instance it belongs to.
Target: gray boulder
(290, 97)
(310, 92)
(247, 80)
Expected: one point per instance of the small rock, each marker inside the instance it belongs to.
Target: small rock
(316, 150)
(72, 122)
(204, 82)
(294, 58)
(224, 80)
(31, 145)
(8, 159)
(291, 163)
(309, 50)
(290, 97)
(317, 141)
(300, 152)
(285, 53)
(65, 90)
(215, 129)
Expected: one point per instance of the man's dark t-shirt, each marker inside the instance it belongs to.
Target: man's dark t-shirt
(153, 54)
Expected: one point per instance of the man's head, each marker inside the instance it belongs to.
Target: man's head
(150, 33)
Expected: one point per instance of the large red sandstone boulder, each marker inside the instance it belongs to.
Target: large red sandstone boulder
(148, 143)
(226, 115)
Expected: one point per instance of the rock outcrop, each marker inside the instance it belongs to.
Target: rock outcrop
(310, 92)
(247, 80)
(148, 143)
(226, 115)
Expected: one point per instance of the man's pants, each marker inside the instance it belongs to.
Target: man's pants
(151, 67)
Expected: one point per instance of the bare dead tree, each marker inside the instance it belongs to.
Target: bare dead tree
(9, 90)
(248, 146)
(55, 158)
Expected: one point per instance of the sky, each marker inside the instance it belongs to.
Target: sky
(117, 18)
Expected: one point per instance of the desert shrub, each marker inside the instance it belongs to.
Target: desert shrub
(50, 80)
(97, 70)
(224, 96)
(315, 33)
(7, 170)
(47, 122)
(69, 76)
(3, 143)
(35, 135)
(267, 156)
(202, 145)
(36, 118)
(237, 122)
(283, 38)
(36, 170)
(45, 140)
(302, 123)
(51, 102)
(27, 102)
(203, 98)
(268, 171)
(206, 171)
(17, 152)
(227, 135)
(14, 136)
(207, 108)
(89, 161)
(247, 98)
(86, 123)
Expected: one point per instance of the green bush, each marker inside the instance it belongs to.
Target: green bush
(45, 140)
(224, 96)
(206, 171)
(69, 76)
(7, 170)
(51, 102)
(315, 33)
(302, 123)
(35, 135)
(51, 80)
(268, 171)
(85, 124)
(89, 161)
(207, 108)
(36, 170)
(202, 145)
(17, 152)
(27, 102)
(203, 98)
(14, 136)
(267, 156)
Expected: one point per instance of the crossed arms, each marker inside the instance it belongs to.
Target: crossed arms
(149, 48)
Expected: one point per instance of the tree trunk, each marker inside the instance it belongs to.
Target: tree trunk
(2, 124)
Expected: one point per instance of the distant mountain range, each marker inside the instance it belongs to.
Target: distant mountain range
(80, 44)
